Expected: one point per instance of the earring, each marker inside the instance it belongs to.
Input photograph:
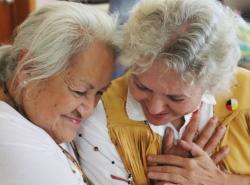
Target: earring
(24, 83)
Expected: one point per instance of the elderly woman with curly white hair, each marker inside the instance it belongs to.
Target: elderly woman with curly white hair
(51, 78)
(183, 56)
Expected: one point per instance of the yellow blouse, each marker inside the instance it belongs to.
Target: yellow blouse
(237, 136)
(134, 140)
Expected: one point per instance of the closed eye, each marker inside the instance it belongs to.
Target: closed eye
(103, 90)
(99, 93)
(142, 87)
(79, 93)
(176, 99)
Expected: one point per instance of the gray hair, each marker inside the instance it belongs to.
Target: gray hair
(51, 36)
(195, 38)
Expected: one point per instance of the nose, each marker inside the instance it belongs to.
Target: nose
(156, 104)
(87, 106)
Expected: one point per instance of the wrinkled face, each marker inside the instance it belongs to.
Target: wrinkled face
(163, 95)
(59, 103)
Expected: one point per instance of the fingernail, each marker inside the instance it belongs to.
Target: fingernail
(227, 150)
(222, 129)
(167, 131)
(196, 112)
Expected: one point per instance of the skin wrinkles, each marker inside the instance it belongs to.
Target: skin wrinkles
(163, 95)
(60, 103)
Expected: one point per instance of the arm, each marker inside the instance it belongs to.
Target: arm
(237, 179)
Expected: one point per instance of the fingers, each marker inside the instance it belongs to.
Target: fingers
(165, 183)
(194, 149)
(207, 132)
(166, 169)
(219, 156)
(211, 136)
(168, 178)
(215, 139)
(168, 140)
(192, 127)
(167, 160)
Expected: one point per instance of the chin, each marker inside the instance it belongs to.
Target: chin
(66, 138)
(158, 121)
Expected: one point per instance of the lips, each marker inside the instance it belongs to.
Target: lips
(74, 120)
(158, 116)
(157, 119)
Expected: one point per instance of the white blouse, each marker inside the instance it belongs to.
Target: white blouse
(29, 156)
(100, 165)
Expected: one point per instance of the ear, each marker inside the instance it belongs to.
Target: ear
(22, 75)
(22, 56)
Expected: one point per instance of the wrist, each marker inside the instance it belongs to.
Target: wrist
(223, 178)
(231, 179)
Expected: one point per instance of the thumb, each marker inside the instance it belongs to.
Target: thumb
(192, 148)
(167, 141)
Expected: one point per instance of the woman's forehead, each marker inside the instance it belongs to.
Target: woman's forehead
(167, 84)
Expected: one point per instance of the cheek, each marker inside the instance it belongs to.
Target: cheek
(41, 111)
(190, 105)
(63, 104)
(44, 106)
(186, 107)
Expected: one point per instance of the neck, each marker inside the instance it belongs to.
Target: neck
(4, 95)
(7, 96)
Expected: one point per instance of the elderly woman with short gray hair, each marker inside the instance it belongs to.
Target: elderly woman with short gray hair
(183, 56)
(51, 78)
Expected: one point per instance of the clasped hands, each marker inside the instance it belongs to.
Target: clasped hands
(191, 161)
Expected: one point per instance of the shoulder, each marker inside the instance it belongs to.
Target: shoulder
(240, 92)
(17, 130)
(28, 155)
(20, 135)
(118, 88)
(28, 165)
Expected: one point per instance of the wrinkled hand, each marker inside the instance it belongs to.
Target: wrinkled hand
(207, 140)
(198, 170)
